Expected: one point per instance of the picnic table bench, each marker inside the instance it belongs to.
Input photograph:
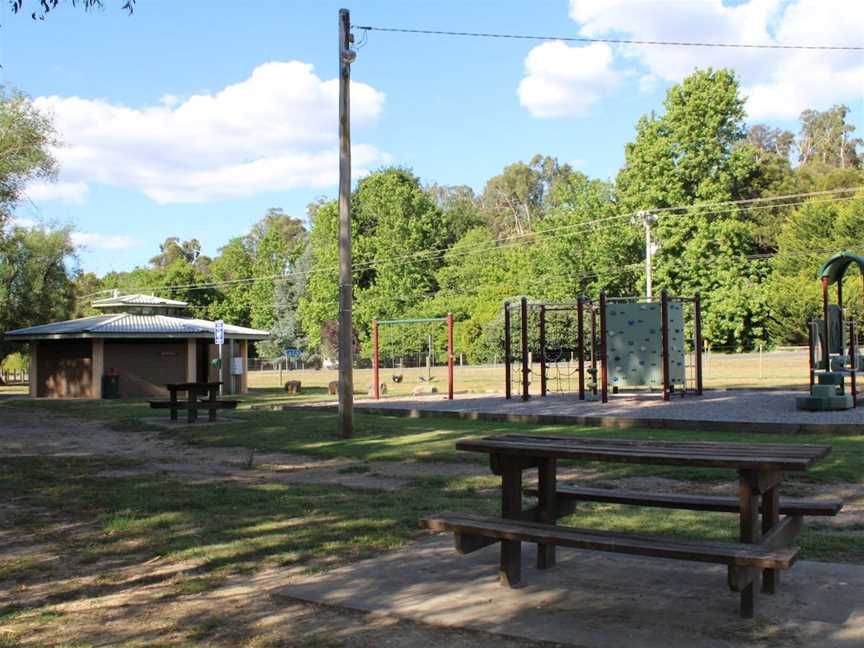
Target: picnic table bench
(768, 524)
(209, 400)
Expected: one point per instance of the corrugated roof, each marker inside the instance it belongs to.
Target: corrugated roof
(139, 300)
(132, 325)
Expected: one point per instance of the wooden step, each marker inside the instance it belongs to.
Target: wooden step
(722, 504)
(728, 553)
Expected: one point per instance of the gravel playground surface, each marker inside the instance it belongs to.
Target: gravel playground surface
(768, 409)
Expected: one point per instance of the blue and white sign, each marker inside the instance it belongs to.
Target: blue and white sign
(292, 353)
(219, 332)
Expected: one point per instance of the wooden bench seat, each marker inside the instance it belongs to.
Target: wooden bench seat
(722, 504)
(203, 404)
(733, 554)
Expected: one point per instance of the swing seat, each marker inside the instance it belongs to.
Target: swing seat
(397, 378)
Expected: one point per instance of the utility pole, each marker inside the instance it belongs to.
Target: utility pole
(346, 328)
(648, 219)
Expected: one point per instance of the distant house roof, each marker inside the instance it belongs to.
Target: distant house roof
(131, 325)
(138, 300)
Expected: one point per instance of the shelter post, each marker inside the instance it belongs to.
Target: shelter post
(825, 326)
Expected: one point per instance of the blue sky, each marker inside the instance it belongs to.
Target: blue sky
(155, 146)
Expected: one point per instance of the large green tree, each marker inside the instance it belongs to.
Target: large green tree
(26, 136)
(35, 284)
(697, 152)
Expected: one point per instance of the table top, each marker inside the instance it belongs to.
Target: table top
(707, 454)
(193, 385)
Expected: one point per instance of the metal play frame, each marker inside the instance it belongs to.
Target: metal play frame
(593, 355)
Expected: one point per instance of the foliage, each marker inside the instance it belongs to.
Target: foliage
(35, 286)
(26, 136)
(44, 7)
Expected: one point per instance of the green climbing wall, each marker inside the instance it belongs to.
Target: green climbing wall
(633, 344)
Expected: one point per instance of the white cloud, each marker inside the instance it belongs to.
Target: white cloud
(564, 81)
(275, 130)
(102, 241)
(71, 192)
(779, 83)
(83, 239)
(23, 222)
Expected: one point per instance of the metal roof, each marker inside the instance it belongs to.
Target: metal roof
(139, 300)
(128, 325)
(835, 267)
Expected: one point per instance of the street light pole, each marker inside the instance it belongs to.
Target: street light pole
(648, 219)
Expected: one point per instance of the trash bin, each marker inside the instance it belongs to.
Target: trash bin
(111, 385)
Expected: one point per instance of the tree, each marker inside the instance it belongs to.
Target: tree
(826, 137)
(173, 250)
(399, 234)
(26, 136)
(517, 198)
(44, 7)
(275, 243)
(696, 152)
(35, 286)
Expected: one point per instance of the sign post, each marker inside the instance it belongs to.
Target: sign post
(219, 340)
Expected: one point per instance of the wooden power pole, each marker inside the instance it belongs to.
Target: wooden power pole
(346, 328)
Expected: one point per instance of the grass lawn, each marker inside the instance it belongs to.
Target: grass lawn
(229, 527)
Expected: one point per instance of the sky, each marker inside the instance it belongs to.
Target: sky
(192, 118)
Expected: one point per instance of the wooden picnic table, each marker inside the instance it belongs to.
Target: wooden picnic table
(766, 540)
(199, 395)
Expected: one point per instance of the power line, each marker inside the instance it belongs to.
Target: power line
(614, 41)
(518, 239)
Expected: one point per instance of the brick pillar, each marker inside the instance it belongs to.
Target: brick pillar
(97, 367)
(34, 374)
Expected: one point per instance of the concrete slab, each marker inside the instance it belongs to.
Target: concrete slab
(591, 599)
(721, 410)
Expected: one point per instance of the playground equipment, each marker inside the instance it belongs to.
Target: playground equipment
(628, 342)
(833, 343)
(398, 375)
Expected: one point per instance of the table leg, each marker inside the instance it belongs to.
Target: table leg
(211, 413)
(191, 412)
(511, 507)
(547, 508)
(750, 531)
(770, 517)
(173, 396)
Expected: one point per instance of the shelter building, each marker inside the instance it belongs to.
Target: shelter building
(133, 348)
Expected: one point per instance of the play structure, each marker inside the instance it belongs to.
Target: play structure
(398, 362)
(584, 346)
(833, 343)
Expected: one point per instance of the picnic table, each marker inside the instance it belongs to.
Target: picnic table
(768, 524)
(199, 395)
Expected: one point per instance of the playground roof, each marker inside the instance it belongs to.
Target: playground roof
(835, 267)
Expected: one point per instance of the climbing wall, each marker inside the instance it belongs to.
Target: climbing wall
(633, 344)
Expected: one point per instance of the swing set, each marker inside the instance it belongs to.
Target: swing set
(430, 355)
